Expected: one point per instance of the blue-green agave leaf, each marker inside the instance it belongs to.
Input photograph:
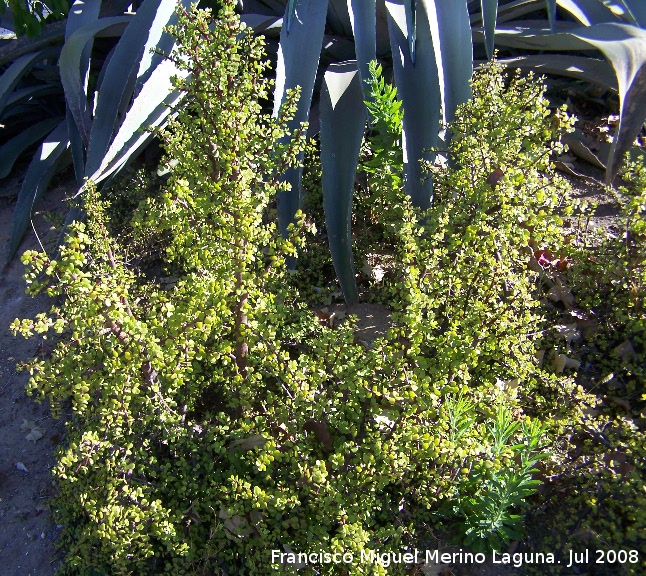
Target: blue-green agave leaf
(343, 120)
(451, 33)
(263, 24)
(338, 17)
(584, 11)
(269, 7)
(298, 59)
(12, 75)
(150, 109)
(637, 9)
(588, 12)
(151, 17)
(594, 70)
(43, 166)
(6, 21)
(419, 90)
(13, 148)
(71, 64)
(624, 46)
(511, 11)
(363, 17)
(159, 42)
(29, 93)
(489, 15)
(50, 34)
(82, 12)
(289, 15)
(551, 12)
(410, 8)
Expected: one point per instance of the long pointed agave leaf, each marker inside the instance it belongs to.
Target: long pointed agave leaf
(289, 15)
(624, 46)
(6, 20)
(82, 12)
(489, 15)
(411, 27)
(41, 170)
(12, 149)
(343, 120)
(451, 33)
(159, 42)
(27, 94)
(150, 108)
(50, 34)
(71, 63)
(338, 17)
(594, 70)
(262, 23)
(298, 58)
(551, 12)
(418, 88)
(588, 12)
(637, 9)
(12, 75)
(363, 17)
(151, 17)
(584, 11)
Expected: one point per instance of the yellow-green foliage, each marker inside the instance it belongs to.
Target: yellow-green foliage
(215, 420)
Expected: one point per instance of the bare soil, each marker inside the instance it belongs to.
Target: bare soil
(27, 532)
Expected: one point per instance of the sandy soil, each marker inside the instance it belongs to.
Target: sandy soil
(27, 532)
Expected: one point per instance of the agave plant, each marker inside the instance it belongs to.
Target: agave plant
(96, 123)
(616, 29)
(431, 47)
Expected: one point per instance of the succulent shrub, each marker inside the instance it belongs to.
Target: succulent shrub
(215, 420)
(606, 275)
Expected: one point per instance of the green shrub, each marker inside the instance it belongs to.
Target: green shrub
(601, 490)
(215, 420)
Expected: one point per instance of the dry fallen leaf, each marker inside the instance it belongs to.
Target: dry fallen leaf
(510, 386)
(561, 293)
(619, 463)
(336, 318)
(323, 316)
(495, 177)
(249, 443)
(621, 402)
(237, 525)
(295, 565)
(35, 432)
(625, 351)
(21, 467)
(568, 332)
(561, 362)
(540, 356)
(590, 412)
(320, 431)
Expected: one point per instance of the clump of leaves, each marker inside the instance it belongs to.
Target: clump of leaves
(215, 420)
(604, 279)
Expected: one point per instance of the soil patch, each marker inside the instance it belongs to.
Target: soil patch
(27, 532)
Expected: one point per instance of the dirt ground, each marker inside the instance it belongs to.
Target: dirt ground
(27, 532)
